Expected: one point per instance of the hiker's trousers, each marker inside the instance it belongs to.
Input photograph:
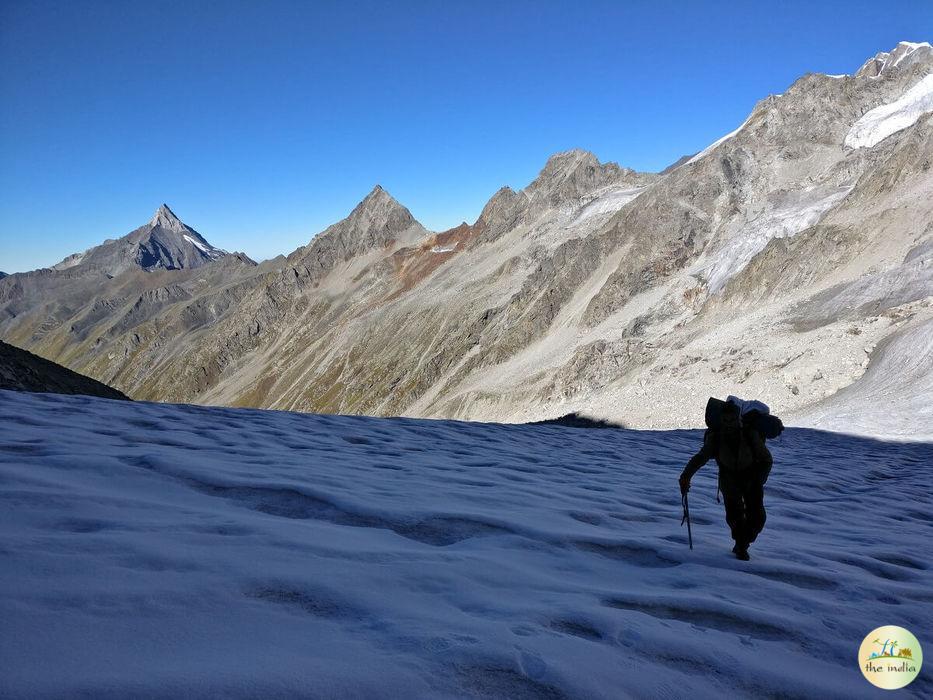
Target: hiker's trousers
(745, 508)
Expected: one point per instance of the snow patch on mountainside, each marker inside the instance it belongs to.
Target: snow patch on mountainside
(208, 250)
(154, 550)
(905, 53)
(608, 203)
(788, 217)
(908, 48)
(877, 124)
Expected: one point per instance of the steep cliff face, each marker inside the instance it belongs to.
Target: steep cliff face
(765, 264)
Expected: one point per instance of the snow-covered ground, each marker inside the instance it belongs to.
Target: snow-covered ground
(162, 550)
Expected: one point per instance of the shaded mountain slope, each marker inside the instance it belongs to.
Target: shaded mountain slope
(22, 371)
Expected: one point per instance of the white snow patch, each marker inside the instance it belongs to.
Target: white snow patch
(152, 549)
(877, 124)
(885, 60)
(208, 250)
(798, 211)
(911, 47)
(444, 248)
(608, 203)
(196, 243)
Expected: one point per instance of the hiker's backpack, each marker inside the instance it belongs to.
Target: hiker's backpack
(754, 414)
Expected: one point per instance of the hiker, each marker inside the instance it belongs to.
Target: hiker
(744, 464)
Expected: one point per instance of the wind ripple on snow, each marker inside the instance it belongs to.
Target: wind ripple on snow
(154, 548)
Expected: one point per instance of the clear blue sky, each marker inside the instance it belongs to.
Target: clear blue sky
(260, 123)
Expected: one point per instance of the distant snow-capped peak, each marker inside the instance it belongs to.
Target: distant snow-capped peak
(165, 219)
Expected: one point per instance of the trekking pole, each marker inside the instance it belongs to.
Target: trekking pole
(686, 519)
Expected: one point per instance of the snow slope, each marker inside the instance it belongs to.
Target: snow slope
(791, 214)
(892, 398)
(205, 247)
(877, 124)
(167, 550)
(722, 139)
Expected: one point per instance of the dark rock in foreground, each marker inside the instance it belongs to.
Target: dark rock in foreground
(22, 371)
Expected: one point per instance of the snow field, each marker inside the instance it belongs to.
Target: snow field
(154, 550)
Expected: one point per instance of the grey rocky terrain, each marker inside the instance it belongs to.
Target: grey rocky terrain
(786, 261)
(164, 243)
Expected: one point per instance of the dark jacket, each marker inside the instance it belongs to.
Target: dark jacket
(741, 454)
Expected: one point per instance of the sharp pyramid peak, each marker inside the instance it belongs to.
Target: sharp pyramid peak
(166, 218)
(378, 200)
(379, 194)
(375, 221)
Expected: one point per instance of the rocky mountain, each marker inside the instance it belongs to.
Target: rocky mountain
(378, 223)
(23, 371)
(118, 286)
(780, 262)
(164, 243)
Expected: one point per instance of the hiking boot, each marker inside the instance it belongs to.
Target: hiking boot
(741, 553)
